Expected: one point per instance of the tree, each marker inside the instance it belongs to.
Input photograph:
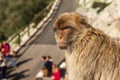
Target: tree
(15, 15)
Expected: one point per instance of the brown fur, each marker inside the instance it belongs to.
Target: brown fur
(90, 54)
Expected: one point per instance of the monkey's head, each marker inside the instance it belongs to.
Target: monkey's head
(66, 26)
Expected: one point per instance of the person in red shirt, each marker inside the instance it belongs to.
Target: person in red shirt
(56, 75)
(6, 52)
(5, 48)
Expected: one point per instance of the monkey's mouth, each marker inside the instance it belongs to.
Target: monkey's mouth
(62, 45)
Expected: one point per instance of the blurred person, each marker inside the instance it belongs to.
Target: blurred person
(47, 64)
(63, 69)
(66, 76)
(0, 46)
(49, 58)
(43, 58)
(56, 75)
(3, 67)
(40, 74)
(6, 51)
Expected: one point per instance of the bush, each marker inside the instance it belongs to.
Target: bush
(15, 15)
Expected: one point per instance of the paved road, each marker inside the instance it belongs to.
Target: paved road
(42, 43)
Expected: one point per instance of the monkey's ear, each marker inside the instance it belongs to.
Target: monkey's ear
(83, 21)
(79, 18)
(59, 22)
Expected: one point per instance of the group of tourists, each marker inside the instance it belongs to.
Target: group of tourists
(5, 56)
(49, 70)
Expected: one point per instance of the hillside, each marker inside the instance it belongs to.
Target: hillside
(15, 15)
(107, 19)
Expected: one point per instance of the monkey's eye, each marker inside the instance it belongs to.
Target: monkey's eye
(82, 22)
(67, 27)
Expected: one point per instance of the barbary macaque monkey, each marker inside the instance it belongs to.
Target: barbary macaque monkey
(90, 53)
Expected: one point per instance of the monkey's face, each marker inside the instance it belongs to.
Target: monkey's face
(65, 28)
(63, 36)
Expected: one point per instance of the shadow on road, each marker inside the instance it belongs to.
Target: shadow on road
(18, 76)
(24, 61)
(44, 38)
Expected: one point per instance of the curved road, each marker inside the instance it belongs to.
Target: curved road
(42, 43)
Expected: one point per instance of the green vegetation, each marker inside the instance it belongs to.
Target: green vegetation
(100, 5)
(97, 5)
(15, 15)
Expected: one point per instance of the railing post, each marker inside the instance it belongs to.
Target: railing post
(19, 39)
(28, 31)
(84, 3)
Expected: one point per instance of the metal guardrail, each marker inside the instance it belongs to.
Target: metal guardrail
(21, 38)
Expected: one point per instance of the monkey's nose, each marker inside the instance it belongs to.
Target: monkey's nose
(60, 37)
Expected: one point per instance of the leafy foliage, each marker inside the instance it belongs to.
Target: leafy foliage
(100, 5)
(16, 14)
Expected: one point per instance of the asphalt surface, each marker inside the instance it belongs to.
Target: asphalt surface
(42, 43)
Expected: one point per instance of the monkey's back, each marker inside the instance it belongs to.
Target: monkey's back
(94, 56)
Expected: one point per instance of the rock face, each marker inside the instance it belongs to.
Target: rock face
(108, 20)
